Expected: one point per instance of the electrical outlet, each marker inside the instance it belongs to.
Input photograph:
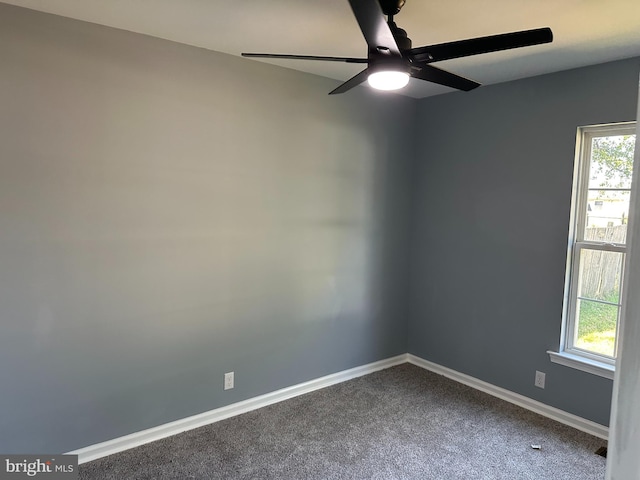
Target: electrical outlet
(228, 381)
(540, 377)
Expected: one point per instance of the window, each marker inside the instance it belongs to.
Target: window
(597, 246)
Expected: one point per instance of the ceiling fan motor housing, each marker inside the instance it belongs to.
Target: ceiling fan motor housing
(391, 7)
(400, 36)
(378, 63)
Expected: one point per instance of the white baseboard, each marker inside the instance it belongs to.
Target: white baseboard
(553, 413)
(99, 450)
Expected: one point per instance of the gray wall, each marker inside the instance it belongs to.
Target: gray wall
(169, 214)
(490, 217)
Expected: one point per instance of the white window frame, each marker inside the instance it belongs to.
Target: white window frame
(568, 354)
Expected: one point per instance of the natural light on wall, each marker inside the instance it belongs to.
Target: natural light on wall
(388, 80)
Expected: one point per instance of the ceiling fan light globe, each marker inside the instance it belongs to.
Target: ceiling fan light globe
(388, 80)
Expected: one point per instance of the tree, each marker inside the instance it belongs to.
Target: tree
(612, 160)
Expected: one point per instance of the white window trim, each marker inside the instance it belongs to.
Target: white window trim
(570, 357)
(583, 363)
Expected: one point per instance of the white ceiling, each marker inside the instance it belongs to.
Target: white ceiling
(586, 32)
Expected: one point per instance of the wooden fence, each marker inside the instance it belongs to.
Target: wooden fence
(601, 271)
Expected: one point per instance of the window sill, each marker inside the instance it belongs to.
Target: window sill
(580, 363)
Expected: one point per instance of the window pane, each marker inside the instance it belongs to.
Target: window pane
(607, 216)
(611, 161)
(600, 275)
(596, 329)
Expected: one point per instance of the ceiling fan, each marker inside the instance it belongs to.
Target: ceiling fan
(391, 60)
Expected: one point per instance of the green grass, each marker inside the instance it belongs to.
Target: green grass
(597, 327)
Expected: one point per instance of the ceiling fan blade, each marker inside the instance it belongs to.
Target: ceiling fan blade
(442, 77)
(304, 57)
(352, 82)
(475, 46)
(374, 27)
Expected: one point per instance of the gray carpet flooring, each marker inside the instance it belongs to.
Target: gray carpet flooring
(399, 423)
